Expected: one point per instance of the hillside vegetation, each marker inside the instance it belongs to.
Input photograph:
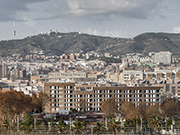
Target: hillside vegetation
(59, 43)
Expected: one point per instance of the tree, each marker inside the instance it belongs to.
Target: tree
(129, 110)
(98, 128)
(73, 111)
(13, 104)
(27, 124)
(152, 110)
(170, 108)
(39, 101)
(113, 126)
(110, 108)
(5, 124)
(169, 122)
(77, 127)
(154, 122)
(133, 123)
(84, 124)
(142, 107)
(61, 126)
(52, 123)
(176, 120)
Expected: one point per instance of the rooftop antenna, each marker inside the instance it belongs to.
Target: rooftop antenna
(14, 30)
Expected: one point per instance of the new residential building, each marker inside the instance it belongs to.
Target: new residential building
(65, 96)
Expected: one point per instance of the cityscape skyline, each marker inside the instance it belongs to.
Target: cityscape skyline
(115, 18)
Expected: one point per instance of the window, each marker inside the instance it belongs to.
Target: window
(52, 109)
(68, 87)
(51, 87)
(147, 91)
(56, 87)
(96, 91)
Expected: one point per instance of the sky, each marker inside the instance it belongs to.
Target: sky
(114, 18)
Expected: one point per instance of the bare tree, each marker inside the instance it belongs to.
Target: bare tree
(170, 108)
(153, 110)
(109, 107)
(129, 110)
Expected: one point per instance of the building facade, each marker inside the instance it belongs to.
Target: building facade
(56, 76)
(64, 96)
(163, 58)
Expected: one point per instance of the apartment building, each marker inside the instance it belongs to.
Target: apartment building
(132, 74)
(3, 69)
(65, 96)
(163, 58)
(167, 88)
(56, 76)
(159, 74)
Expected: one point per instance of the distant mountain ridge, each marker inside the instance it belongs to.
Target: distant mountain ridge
(59, 43)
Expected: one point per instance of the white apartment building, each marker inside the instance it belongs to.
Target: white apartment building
(163, 58)
(132, 74)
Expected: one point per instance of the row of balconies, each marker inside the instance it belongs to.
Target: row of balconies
(152, 91)
(68, 96)
(56, 100)
(68, 100)
(125, 91)
(56, 92)
(56, 96)
(108, 96)
(56, 87)
(68, 104)
(68, 91)
(54, 109)
(57, 105)
(152, 95)
(117, 100)
(68, 87)
(152, 100)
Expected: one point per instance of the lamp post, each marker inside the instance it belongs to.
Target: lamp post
(141, 125)
(137, 123)
(91, 129)
(70, 123)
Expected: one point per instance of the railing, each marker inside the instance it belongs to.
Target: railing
(45, 130)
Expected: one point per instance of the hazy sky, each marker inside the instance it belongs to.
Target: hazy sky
(115, 18)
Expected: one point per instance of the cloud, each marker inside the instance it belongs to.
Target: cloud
(140, 9)
(108, 32)
(9, 8)
(53, 9)
(176, 29)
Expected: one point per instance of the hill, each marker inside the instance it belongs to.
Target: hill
(59, 43)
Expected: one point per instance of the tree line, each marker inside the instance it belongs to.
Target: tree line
(154, 116)
(14, 105)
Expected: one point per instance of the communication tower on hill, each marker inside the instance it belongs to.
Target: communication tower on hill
(14, 30)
